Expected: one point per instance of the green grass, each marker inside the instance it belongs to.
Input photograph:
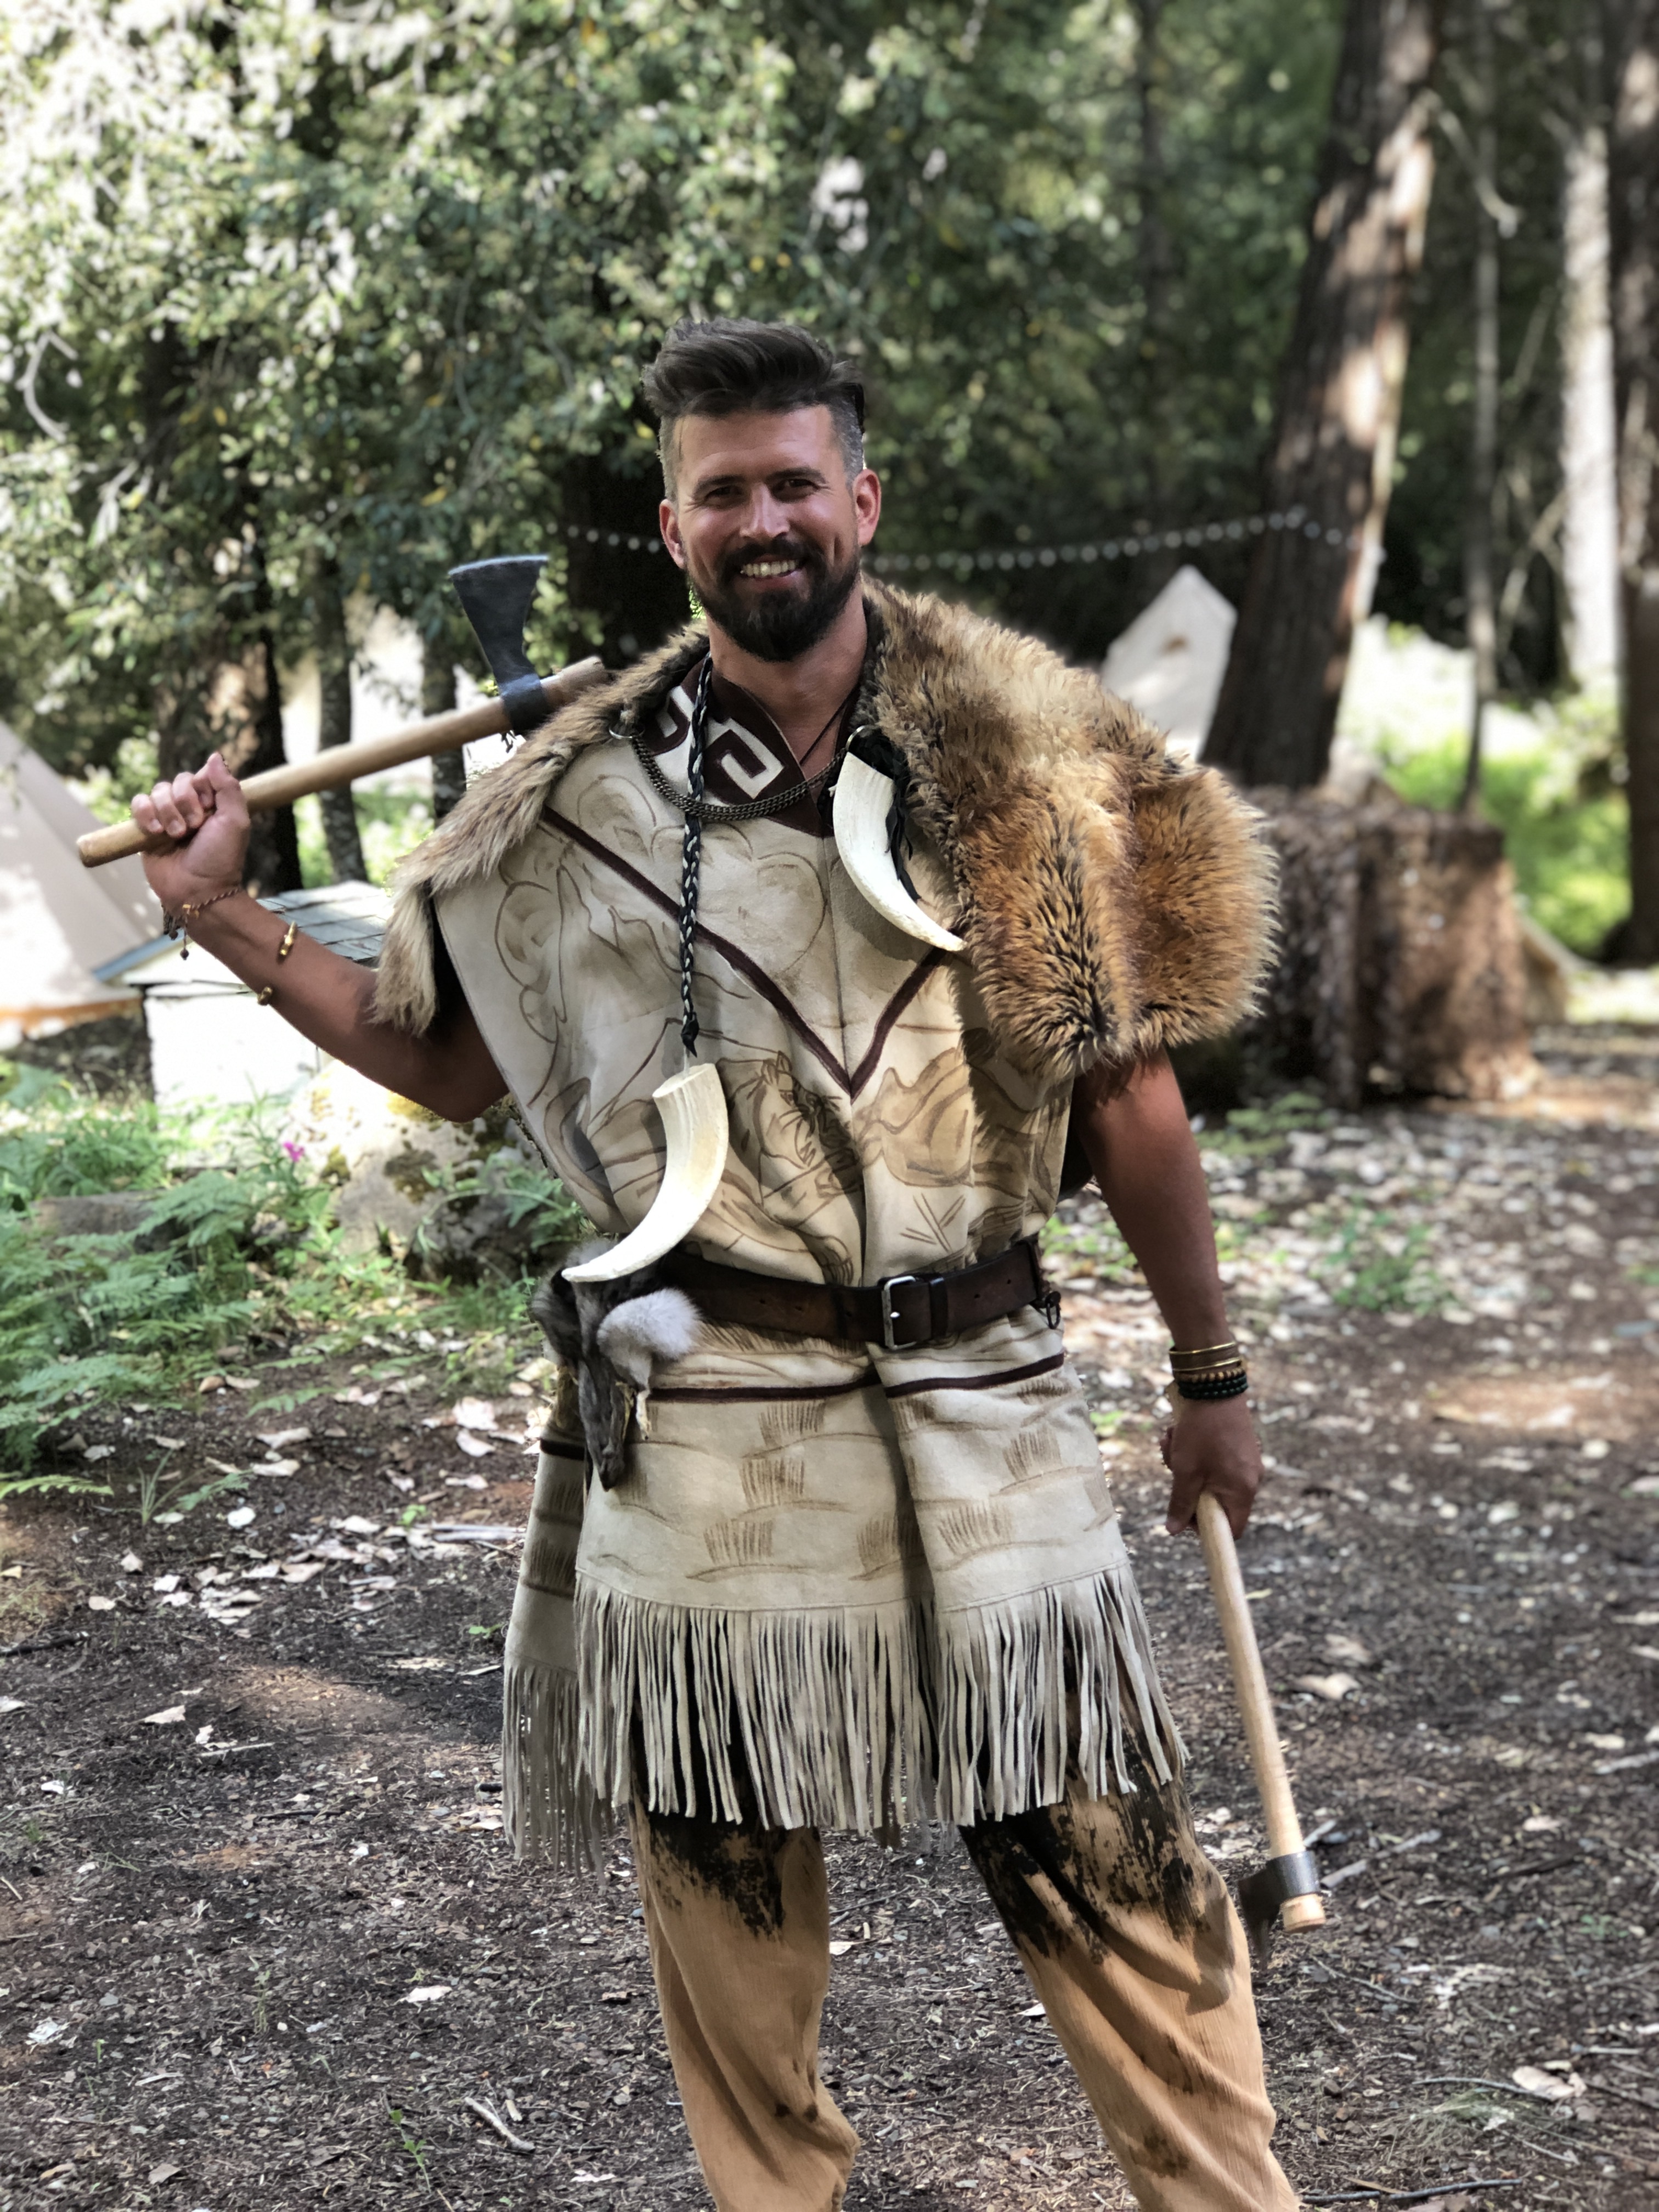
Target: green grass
(236, 1264)
(1565, 823)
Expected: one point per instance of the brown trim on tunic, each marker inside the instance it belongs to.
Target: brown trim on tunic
(850, 1080)
(758, 1394)
(976, 1381)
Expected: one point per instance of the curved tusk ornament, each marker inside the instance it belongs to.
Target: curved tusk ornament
(693, 1108)
(864, 798)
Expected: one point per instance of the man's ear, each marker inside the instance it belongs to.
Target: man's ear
(668, 522)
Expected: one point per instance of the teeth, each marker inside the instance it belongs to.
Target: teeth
(768, 568)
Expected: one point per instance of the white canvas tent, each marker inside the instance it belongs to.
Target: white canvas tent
(58, 921)
(1171, 660)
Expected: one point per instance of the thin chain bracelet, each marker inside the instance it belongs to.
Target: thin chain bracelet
(179, 925)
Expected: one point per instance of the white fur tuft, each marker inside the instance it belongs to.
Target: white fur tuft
(643, 1334)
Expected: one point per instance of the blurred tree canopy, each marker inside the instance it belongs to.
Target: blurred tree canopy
(304, 301)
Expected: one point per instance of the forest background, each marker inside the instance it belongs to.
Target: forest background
(301, 305)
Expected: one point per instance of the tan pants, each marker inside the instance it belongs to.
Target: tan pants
(1122, 1925)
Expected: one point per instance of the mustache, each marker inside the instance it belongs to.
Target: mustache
(787, 548)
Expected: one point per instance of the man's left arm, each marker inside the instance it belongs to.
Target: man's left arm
(1140, 1146)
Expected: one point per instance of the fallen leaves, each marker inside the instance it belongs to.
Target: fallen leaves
(427, 1993)
(1554, 2087)
(1333, 1687)
(169, 1716)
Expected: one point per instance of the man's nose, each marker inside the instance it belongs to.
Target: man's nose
(765, 516)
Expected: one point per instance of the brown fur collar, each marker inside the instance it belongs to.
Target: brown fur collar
(1111, 902)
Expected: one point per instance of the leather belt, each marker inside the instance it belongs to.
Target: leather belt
(901, 1311)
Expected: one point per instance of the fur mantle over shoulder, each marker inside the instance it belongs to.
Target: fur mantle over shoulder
(1112, 902)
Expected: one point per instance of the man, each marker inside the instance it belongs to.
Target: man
(845, 1555)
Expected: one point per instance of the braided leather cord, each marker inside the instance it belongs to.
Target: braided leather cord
(694, 806)
(692, 852)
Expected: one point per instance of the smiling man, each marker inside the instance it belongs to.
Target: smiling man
(820, 1536)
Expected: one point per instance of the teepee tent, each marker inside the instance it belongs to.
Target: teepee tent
(1171, 660)
(58, 921)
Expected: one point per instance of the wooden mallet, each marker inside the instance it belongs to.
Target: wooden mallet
(497, 595)
(1285, 1893)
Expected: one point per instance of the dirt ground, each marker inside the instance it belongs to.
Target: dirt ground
(261, 1945)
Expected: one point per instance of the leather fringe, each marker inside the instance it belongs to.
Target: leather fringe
(867, 1720)
(549, 1811)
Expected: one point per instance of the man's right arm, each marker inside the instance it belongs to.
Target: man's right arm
(328, 999)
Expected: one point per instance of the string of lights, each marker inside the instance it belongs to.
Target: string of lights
(964, 562)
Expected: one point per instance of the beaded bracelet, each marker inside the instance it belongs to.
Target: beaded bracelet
(1228, 1384)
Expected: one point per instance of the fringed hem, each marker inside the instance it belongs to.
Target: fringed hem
(1033, 1686)
(868, 1719)
(549, 1810)
(825, 1711)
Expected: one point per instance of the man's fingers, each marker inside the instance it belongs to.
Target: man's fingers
(1183, 1498)
(227, 791)
(164, 806)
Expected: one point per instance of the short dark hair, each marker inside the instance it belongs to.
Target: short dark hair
(731, 366)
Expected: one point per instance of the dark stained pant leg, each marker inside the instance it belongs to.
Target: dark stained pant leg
(1131, 1942)
(737, 1918)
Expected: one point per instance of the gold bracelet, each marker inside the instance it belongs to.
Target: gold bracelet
(265, 997)
(1207, 1355)
(287, 945)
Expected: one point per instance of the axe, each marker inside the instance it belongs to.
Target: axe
(1285, 1891)
(496, 597)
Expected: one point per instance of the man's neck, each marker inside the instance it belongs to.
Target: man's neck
(801, 695)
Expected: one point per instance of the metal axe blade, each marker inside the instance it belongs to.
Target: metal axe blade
(496, 597)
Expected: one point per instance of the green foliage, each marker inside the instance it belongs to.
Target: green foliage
(279, 287)
(1089, 1244)
(1377, 1267)
(1565, 825)
(389, 822)
(55, 1143)
(1255, 1132)
(238, 1258)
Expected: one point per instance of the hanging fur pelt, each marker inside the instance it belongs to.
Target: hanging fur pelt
(613, 1337)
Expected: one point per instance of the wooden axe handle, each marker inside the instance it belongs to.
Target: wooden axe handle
(338, 764)
(1255, 1703)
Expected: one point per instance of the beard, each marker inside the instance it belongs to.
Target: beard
(778, 625)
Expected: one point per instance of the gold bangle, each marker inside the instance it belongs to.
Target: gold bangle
(266, 996)
(287, 945)
(1199, 1350)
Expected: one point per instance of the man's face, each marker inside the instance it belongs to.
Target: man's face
(767, 526)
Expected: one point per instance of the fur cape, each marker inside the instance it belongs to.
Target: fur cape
(1111, 901)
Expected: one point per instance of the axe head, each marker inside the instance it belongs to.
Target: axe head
(1262, 1896)
(495, 597)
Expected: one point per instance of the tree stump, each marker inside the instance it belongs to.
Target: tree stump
(1402, 966)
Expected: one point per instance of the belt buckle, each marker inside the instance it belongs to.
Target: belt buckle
(885, 1289)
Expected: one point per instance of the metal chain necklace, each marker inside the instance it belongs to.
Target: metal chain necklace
(697, 809)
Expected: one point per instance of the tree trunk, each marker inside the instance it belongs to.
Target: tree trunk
(232, 703)
(1481, 621)
(1632, 39)
(438, 697)
(1589, 525)
(1156, 257)
(345, 849)
(1326, 482)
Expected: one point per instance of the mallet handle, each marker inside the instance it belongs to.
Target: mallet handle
(338, 764)
(1256, 1703)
